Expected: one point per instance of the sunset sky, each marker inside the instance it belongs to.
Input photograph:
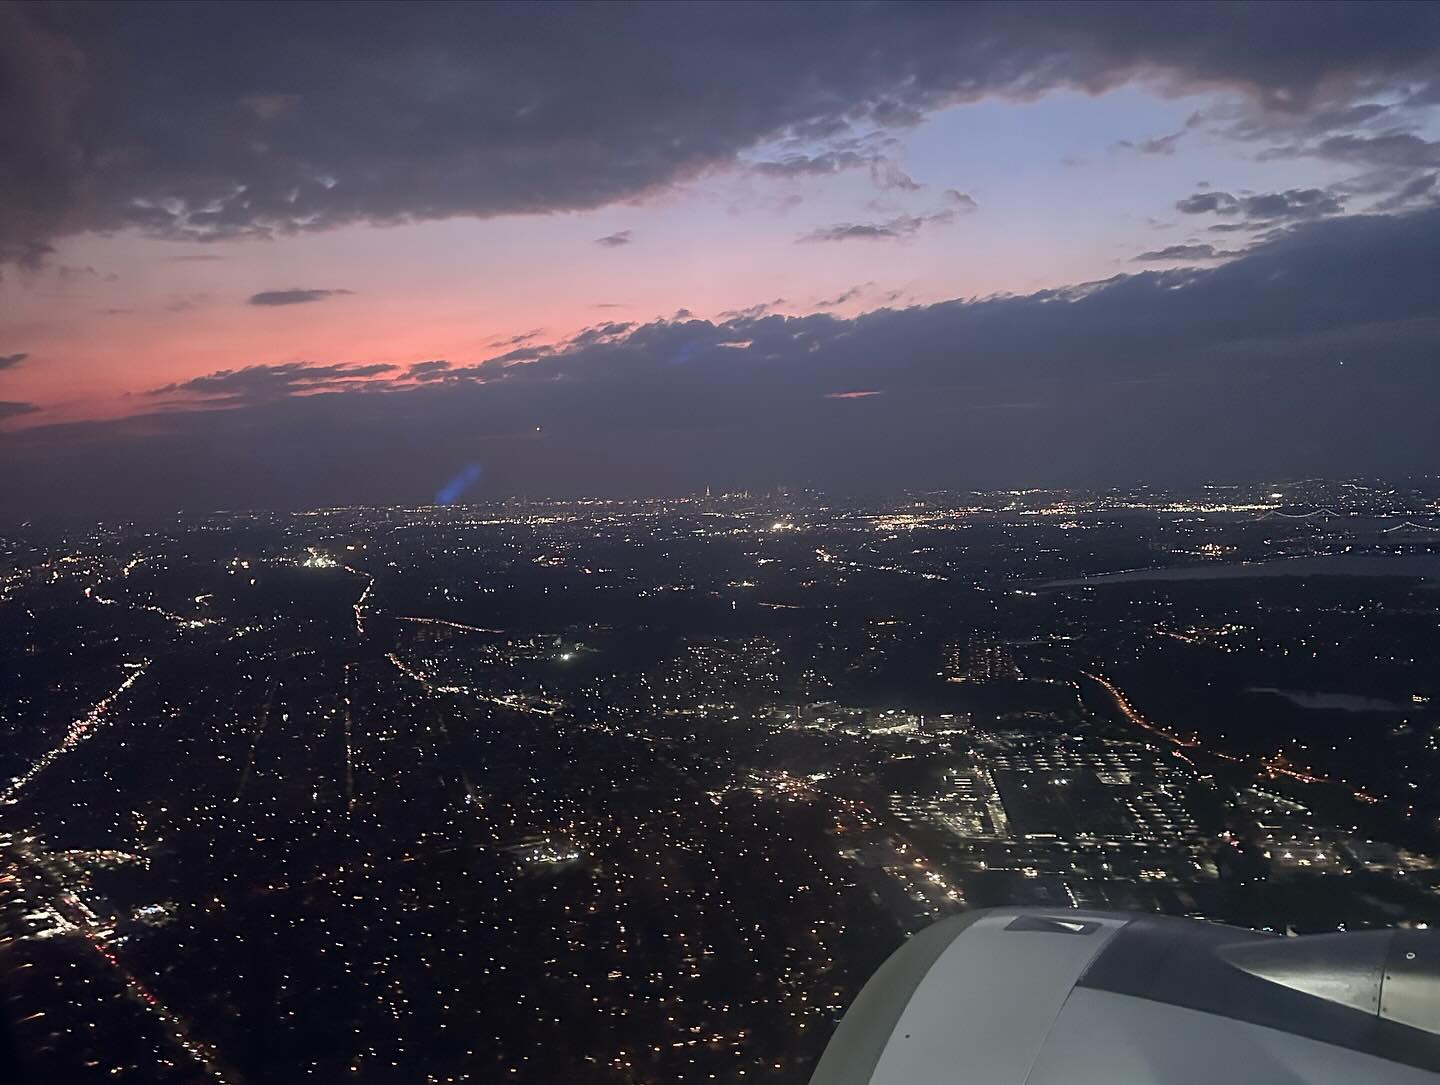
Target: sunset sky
(303, 254)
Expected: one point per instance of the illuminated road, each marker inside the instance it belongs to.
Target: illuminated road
(349, 747)
(77, 733)
(1132, 714)
(73, 916)
(512, 702)
(360, 605)
(827, 558)
(260, 725)
(448, 625)
(1274, 766)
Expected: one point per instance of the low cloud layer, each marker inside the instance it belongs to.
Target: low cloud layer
(1278, 362)
(10, 361)
(1266, 207)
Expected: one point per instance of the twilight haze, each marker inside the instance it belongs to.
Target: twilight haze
(286, 255)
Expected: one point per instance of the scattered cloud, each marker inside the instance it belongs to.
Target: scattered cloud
(844, 296)
(293, 296)
(887, 175)
(1395, 159)
(750, 312)
(10, 361)
(428, 371)
(12, 409)
(1416, 189)
(900, 226)
(962, 200)
(1196, 251)
(1202, 202)
(813, 165)
(265, 383)
(1296, 203)
(1393, 148)
(1166, 144)
(517, 340)
(608, 332)
(519, 354)
(615, 240)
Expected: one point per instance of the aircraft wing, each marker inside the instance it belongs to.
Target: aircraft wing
(1018, 996)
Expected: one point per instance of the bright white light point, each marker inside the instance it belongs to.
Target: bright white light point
(565, 657)
(1276, 497)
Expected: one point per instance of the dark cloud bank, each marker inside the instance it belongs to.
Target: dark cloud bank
(220, 120)
(1313, 352)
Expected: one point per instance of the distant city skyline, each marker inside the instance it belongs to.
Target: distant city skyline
(334, 254)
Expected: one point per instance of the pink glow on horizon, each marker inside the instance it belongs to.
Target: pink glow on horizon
(91, 359)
